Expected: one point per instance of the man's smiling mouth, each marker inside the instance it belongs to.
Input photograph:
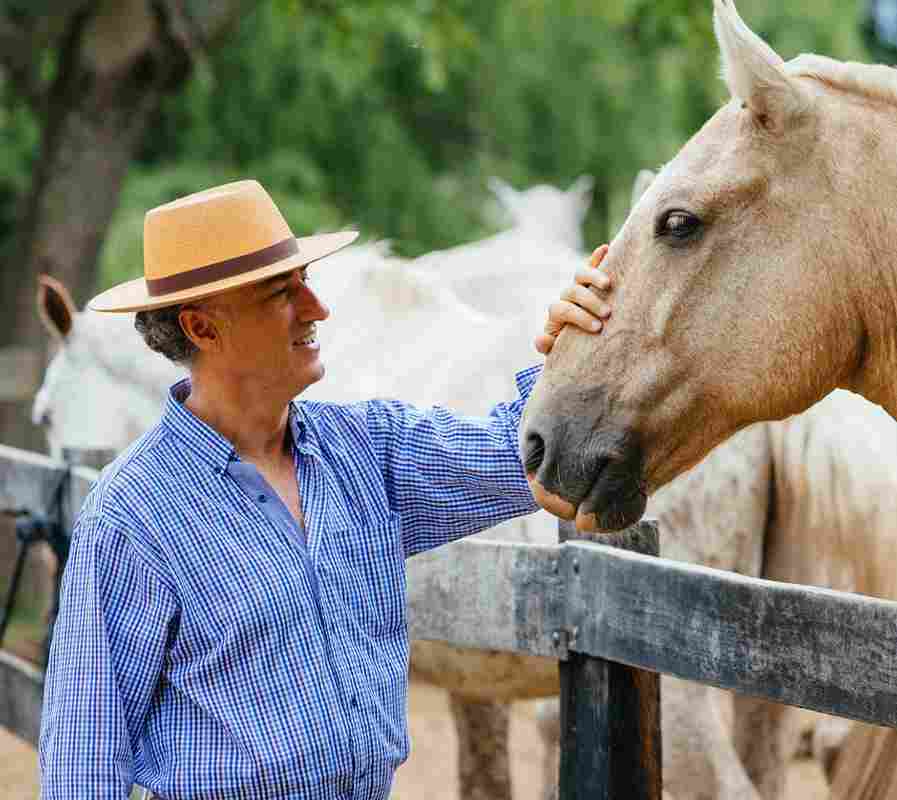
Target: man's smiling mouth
(310, 338)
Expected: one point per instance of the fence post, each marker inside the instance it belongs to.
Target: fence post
(610, 713)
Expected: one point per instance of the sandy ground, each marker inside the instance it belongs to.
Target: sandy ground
(429, 773)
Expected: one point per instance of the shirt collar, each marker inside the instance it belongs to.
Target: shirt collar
(203, 440)
(299, 427)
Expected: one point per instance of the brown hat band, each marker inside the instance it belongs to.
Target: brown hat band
(222, 269)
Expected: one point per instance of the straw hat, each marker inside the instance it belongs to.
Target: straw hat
(212, 241)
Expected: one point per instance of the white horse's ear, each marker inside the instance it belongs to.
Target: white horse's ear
(55, 307)
(506, 194)
(753, 71)
(581, 191)
(642, 181)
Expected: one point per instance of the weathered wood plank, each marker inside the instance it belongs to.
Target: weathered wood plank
(488, 594)
(816, 648)
(610, 712)
(28, 481)
(21, 697)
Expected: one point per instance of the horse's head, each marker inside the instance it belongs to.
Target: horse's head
(545, 212)
(742, 277)
(103, 387)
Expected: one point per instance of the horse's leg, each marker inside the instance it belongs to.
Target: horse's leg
(866, 768)
(548, 719)
(827, 741)
(760, 733)
(700, 761)
(483, 769)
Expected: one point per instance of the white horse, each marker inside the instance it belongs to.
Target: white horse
(517, 272)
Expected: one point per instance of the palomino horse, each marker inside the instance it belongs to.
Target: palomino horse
(754, 277)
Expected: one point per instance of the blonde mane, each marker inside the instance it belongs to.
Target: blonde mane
(875, 81)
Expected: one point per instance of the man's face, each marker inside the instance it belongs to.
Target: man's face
(267, 333)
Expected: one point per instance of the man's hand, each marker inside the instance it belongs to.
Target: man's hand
(581, 304)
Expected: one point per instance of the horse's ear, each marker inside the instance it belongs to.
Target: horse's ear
(642, 181)
(55, 307)
(753, 71)
(506, 194)
(581, 192)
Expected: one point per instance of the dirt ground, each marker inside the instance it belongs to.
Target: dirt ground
(429, 773)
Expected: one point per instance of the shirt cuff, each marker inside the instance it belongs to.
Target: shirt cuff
(526, 379)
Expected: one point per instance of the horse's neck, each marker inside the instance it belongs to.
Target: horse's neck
(876, 379)
(866, 172)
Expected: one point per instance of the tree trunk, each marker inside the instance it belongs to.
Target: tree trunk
(116, 61)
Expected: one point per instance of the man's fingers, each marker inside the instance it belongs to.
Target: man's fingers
(581, 304)
(586, 299)
(598, 255)
(544, 343)
(567, 313)
(587, 276)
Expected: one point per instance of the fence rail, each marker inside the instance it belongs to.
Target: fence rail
(820, 649)
(817, 648)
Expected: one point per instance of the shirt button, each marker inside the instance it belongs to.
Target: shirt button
(354, 701)
(262, 498)
(217, 470)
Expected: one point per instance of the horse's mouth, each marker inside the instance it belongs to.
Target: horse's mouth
(594, 513)
(590, 474)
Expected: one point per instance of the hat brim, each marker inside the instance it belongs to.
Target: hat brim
(134, 296)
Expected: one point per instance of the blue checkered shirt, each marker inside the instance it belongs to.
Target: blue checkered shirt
(207, 646)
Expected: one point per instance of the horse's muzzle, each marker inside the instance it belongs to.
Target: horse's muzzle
(583, 468)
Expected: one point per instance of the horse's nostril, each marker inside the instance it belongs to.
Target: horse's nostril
(534, 452)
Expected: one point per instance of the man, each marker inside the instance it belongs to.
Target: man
(232, 621)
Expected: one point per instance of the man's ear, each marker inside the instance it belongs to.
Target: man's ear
(754, 72)
(201, 326)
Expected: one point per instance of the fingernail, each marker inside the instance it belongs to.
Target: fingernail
(596, 325)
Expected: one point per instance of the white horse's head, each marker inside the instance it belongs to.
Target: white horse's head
(103, 387)
(545, 212)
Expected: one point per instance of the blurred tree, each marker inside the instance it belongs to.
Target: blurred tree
(879, 29)
(91, 73)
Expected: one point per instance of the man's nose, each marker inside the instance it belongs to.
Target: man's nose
(312, 306)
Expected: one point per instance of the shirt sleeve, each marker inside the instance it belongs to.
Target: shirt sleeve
(449, 475)
(105, 660)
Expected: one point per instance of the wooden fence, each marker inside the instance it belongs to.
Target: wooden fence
(614, 614)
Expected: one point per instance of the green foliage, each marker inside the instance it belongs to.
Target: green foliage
(390, 115)
(19, 137)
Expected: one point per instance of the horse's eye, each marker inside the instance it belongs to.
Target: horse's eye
(678, 226)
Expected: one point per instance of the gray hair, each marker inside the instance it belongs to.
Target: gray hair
(162, 332)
